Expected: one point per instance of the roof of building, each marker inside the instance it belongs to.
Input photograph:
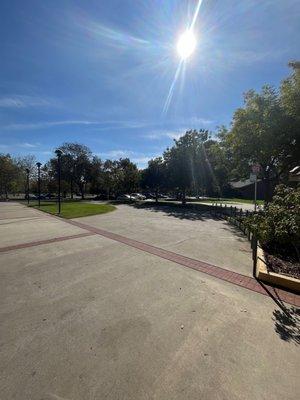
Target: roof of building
(242, 184)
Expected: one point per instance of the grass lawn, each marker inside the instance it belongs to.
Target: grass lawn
(74, 209)
(233, 200)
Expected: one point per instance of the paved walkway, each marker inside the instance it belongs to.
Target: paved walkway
(91, 313)
(186, 232)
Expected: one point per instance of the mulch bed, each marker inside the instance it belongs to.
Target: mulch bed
(284, 267)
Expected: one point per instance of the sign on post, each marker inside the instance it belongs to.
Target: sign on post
(255, 168)
(253, 178)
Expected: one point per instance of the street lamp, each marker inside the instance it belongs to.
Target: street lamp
(59, 154)
(38, 164)
(27, 172)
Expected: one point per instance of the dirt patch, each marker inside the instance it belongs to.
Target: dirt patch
(284, 267)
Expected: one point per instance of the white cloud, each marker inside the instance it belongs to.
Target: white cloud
(25, 101)
(99, 125)
(160, 134)
(141, 161)
(48, 124)
(117, 153)
(27, 145)
(138, 158)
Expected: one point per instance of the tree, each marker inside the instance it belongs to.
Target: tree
(262, 132)
(75, 167)
(24, 163)
(8, 175)
(111, 177)
(127, 176)
(186, 160)
(96, 176)
(154, 176)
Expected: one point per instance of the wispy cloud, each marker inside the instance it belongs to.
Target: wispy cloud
(47, 124)
(25, 101)
(117, 154)
(161, 134)
(99, 125)
(113, 36)
(27, 145)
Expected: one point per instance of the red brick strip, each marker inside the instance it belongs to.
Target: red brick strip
(46, 241)
(209, 269)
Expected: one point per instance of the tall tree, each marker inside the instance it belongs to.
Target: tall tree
(262, 133)
(75, 166)
(154, 176)
(128, 176)
(9, 173)
(185, 161)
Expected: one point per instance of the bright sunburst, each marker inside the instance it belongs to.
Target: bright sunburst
(186, 44)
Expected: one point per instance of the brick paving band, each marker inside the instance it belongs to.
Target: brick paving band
(46, 241)
(235, 278)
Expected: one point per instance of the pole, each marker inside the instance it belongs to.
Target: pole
(255, 192)
(59, 196)
(39, 182)
(59, 153)
(27, 171)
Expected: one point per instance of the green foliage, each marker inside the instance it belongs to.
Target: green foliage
(278, 226)
(154, 176)
(266, 131)
(9, 174)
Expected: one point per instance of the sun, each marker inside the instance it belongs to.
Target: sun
(186, 44)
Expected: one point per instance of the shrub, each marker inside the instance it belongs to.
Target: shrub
(278, 226)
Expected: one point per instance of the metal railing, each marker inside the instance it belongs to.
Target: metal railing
(236, 217)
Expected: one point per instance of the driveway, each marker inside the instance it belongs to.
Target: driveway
(87, 317)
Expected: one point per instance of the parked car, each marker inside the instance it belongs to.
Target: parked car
(31, 196)
(150, 195)
(125, 197)
(138, 196)
(100, 197)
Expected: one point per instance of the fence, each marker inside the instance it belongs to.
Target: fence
(237, 217)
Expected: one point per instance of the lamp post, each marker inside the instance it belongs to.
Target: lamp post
(59, 154)
(27, 178)
(38, 164)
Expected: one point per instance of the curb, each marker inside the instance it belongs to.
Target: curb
(273, 278)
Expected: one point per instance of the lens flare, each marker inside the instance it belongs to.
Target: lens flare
(186, 44)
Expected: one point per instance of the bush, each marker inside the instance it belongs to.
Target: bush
(278, 226)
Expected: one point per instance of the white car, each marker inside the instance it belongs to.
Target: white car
(138, 196)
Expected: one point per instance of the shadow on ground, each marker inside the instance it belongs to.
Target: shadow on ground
(235, 230)
(287, 324)
(286, 319)
(178, 211)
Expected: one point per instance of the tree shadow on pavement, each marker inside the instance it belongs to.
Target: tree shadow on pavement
(236, 231)
(178, 211)
(287, 324)
(286, 319)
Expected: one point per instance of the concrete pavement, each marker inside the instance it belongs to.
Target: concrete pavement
(91, 318)
(193, 234)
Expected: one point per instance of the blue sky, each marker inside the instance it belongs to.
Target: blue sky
(99, 72)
